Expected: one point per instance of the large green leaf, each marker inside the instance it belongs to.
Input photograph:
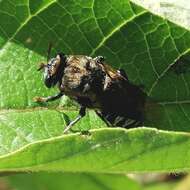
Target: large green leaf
(145, 45)
(104, 150)
(162, 186)
(60, 181)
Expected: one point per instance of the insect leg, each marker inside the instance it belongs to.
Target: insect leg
(49, 98)
(103, 119)
(100, 59)
(123, 73)
(133, 124)
(82, 113)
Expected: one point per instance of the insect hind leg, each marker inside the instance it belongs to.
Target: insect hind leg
(103, 119)
(115, 120)
(128, 124)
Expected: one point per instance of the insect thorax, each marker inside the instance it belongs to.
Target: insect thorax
(83, 80)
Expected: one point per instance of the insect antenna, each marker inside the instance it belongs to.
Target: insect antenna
(42, 65)
(49, 51)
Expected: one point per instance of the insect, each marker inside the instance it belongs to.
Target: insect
(96, 85)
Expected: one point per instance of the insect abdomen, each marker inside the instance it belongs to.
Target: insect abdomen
(123, 105)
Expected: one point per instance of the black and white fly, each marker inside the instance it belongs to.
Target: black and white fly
(96, 85)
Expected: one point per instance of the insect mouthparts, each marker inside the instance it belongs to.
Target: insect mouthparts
(42, 65)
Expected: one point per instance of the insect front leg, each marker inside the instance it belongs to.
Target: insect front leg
(82, 113)
(49, 98)
(123, 73)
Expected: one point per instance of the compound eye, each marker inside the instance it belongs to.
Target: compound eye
(100, 59)
(53, 61)
(52, 67)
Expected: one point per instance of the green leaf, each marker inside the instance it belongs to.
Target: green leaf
(145, 45)
(162, 186)
(61, 181)
(104, 150)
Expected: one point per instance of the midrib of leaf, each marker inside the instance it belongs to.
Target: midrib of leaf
(175, 102)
